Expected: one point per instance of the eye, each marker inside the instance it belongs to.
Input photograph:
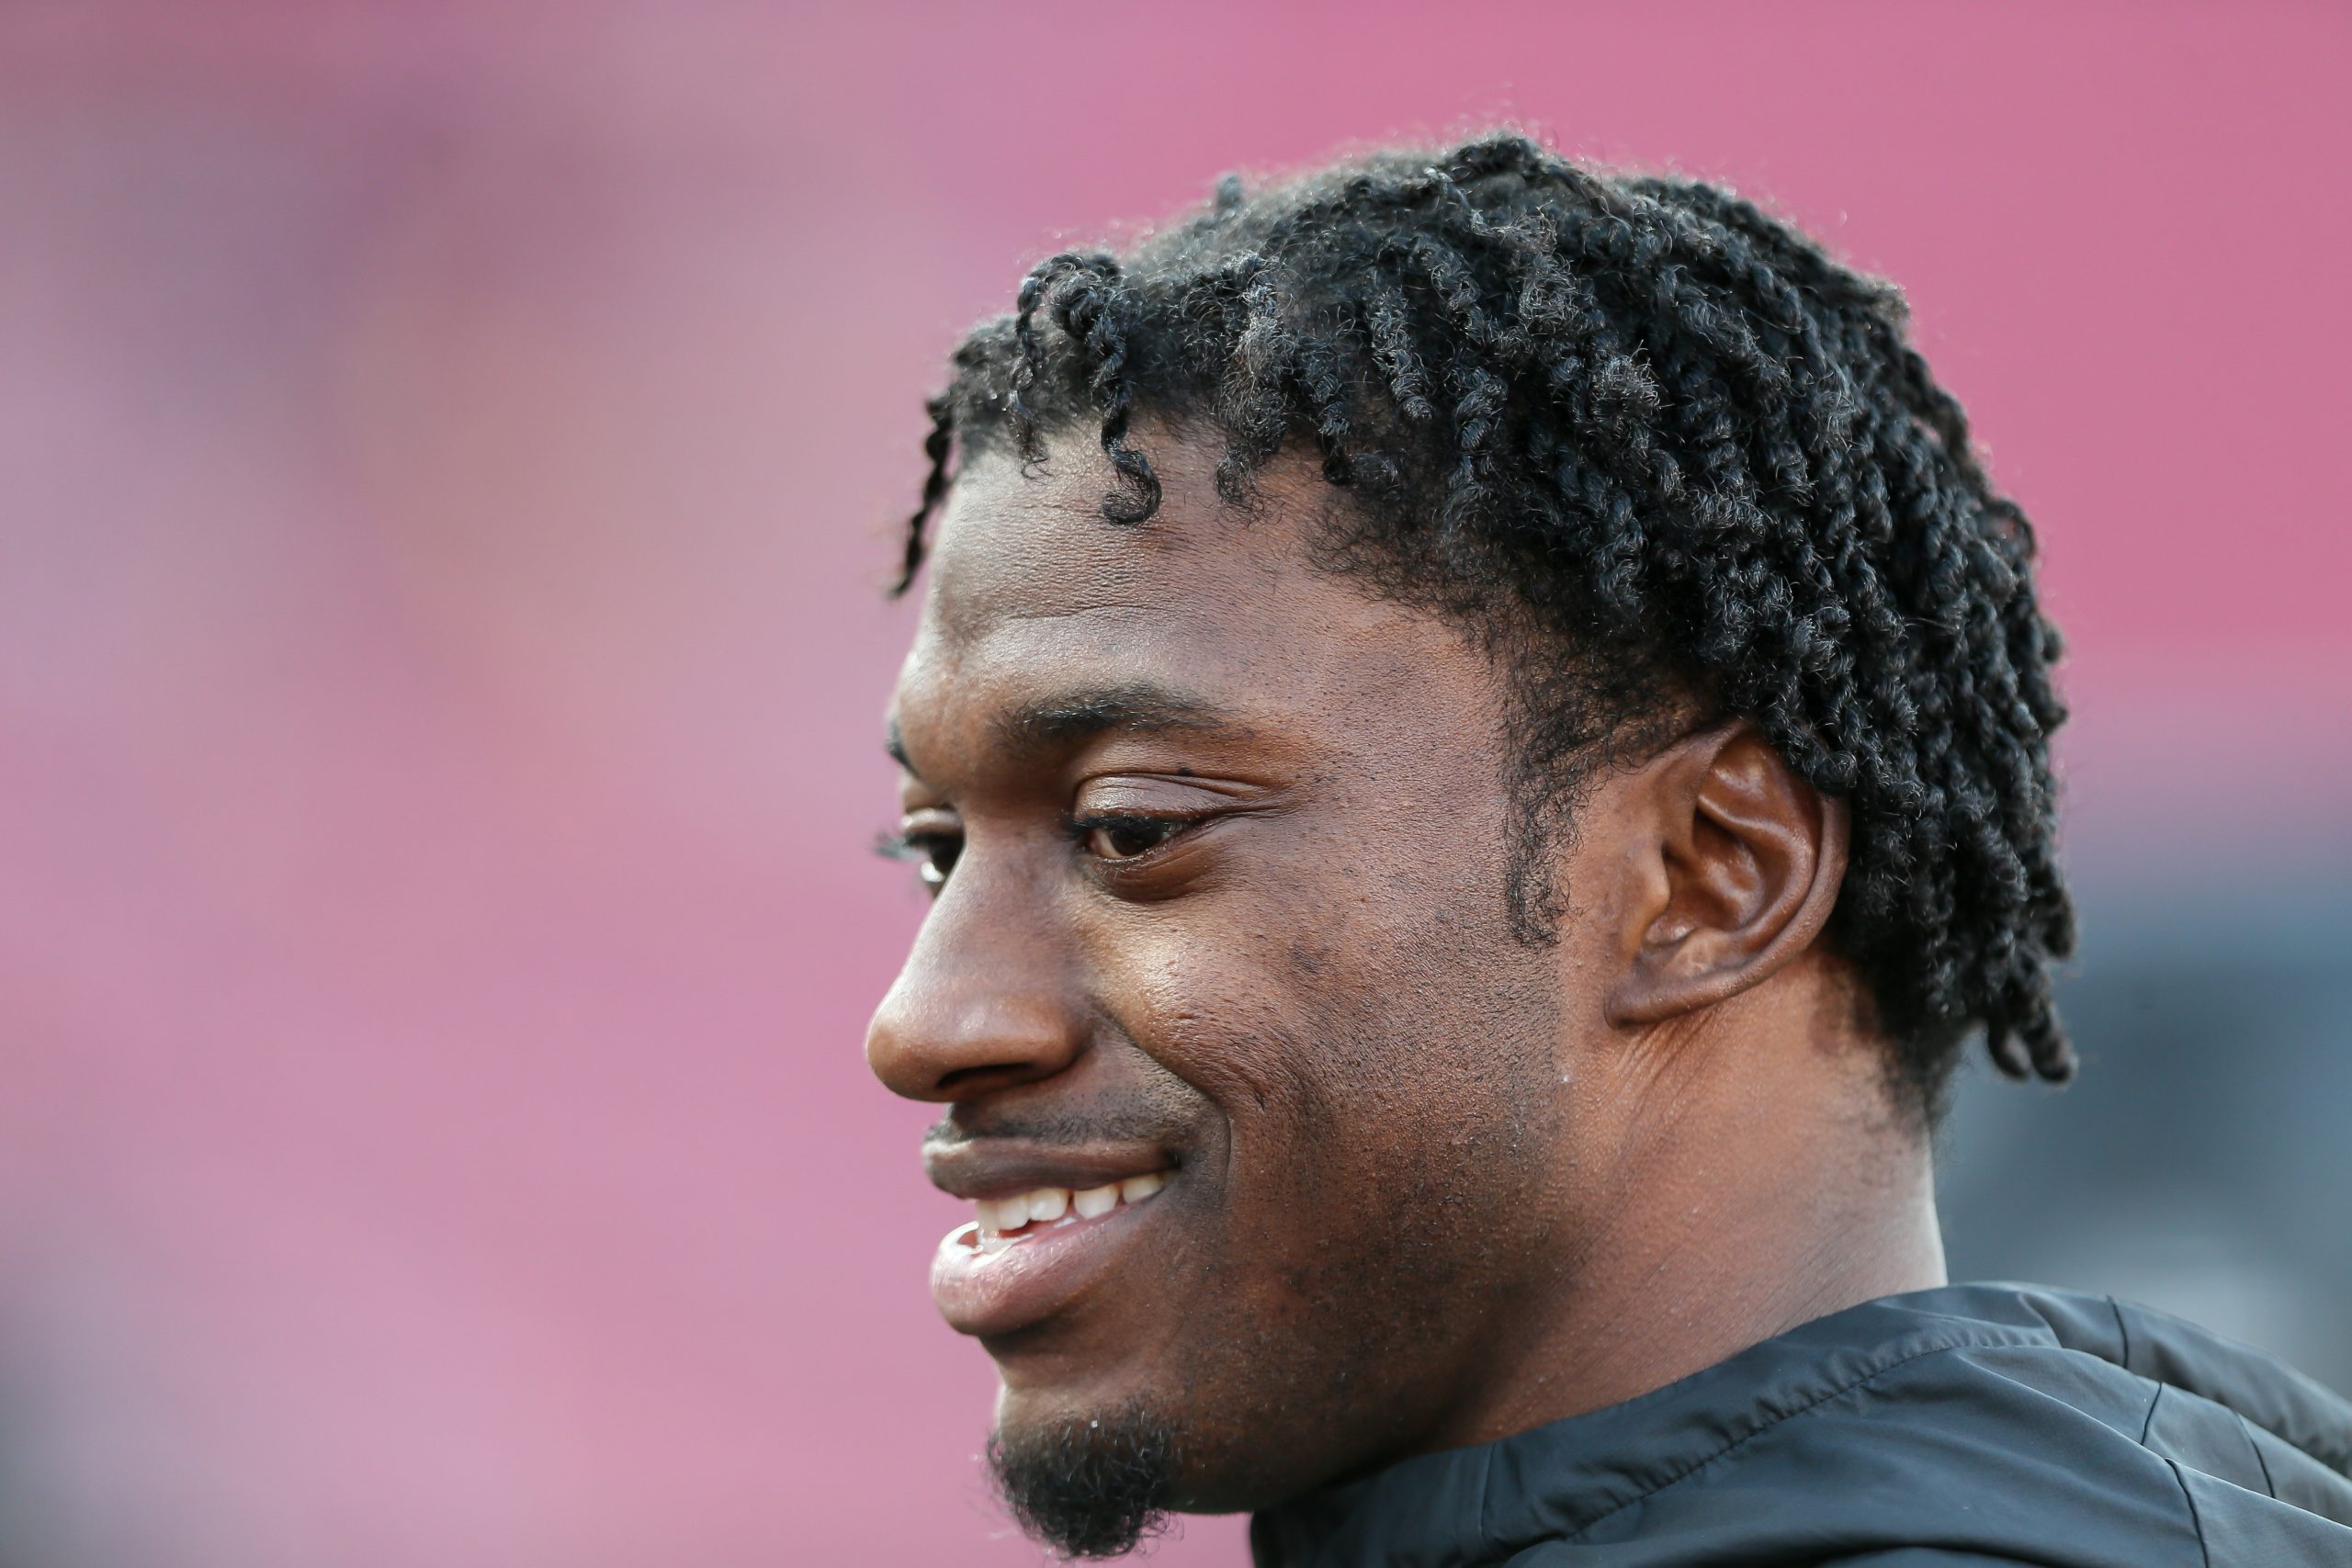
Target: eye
(933, 852)
(934, 856)
(1125, 838)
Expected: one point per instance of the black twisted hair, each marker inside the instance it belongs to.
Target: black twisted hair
(1652, 441)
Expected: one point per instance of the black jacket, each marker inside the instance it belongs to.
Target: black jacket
(1971, 1425)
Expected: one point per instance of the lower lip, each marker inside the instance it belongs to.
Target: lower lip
(1029, 1279)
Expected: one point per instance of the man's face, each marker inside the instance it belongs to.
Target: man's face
(1225, 841)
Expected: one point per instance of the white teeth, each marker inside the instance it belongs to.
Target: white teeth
(1000, 1216)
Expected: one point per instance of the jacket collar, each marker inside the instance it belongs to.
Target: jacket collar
(1465, 1507)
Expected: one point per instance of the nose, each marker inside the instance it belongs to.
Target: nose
(984, 1002)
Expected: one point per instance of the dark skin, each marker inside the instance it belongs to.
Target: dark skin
(1226, 840)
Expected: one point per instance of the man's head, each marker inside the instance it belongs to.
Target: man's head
(1462, 704)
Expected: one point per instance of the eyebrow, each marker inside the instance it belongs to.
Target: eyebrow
(1063, 721)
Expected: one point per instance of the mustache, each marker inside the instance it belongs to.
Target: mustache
(1063, 1129)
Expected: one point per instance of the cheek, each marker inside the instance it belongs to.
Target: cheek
(1374, 1076)
(1349, 1057)
(1384, 1150)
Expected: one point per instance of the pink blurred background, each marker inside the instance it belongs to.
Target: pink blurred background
(451, 453)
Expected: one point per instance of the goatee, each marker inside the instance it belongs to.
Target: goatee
(1088, 1486)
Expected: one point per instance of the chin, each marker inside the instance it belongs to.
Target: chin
(1164, 1449)
(1086, 1484)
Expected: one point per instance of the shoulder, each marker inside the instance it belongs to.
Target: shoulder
(2023, 1445)
(1966, 1425)
(1900, 1557)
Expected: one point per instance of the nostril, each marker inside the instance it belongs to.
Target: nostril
(1001, 1063)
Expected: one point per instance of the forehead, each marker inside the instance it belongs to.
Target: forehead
(1019, 553)
(1031, 590)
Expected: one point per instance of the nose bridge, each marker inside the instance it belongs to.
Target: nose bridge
(984, 1000)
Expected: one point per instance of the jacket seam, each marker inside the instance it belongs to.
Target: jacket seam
(2247, 1426)
(1486, 1491)
(1746, 1437)
(2251, 1425)
(2195, 1523)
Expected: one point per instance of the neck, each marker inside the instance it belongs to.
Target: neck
(1722, 1187)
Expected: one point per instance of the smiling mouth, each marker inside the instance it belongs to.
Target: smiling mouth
(1007, 1222)
(1033, 1256)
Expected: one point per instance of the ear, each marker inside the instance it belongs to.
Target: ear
(1738, 861)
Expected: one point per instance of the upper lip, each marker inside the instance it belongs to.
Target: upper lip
(993, 1168)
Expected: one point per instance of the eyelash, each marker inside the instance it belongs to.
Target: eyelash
(923, 847)
(1163, 827)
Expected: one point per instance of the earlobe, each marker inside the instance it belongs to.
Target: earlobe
(1750, 858)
